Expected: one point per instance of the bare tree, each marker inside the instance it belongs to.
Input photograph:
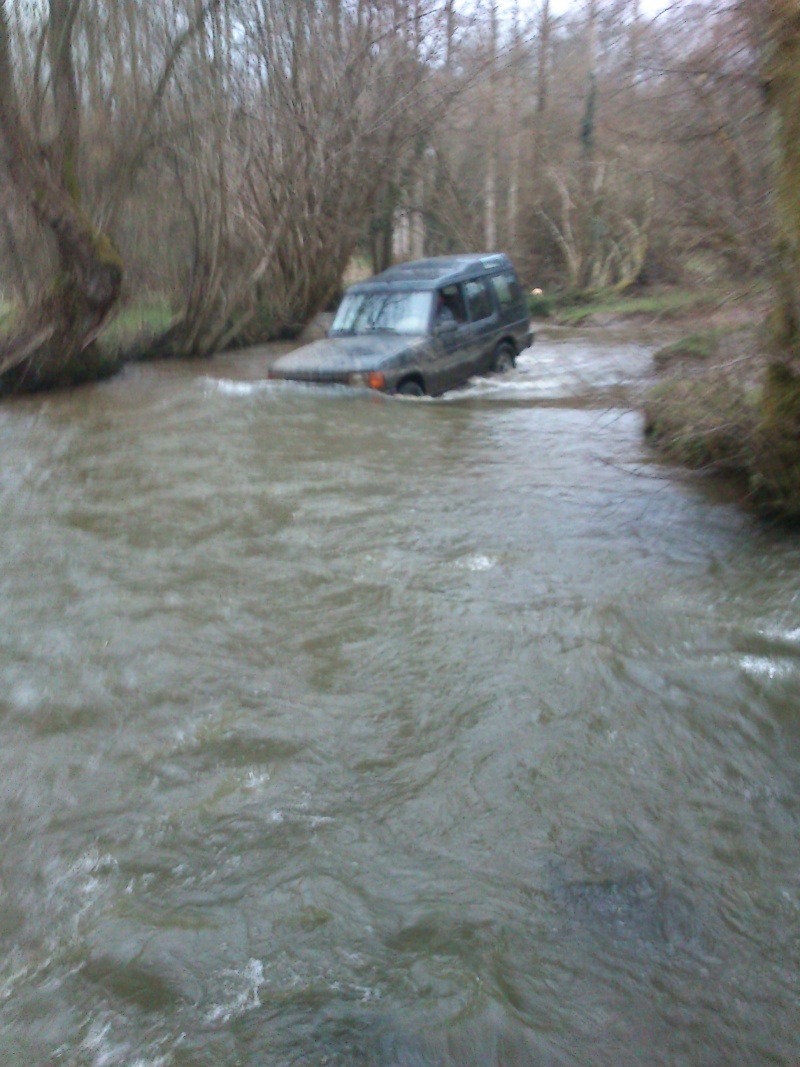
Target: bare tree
(515, 151)
(782, 398)
(280, 172)
(88, 284)
(490, 196)
(782, 87)
(54, 342)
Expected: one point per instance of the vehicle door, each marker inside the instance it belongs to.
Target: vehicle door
(452, 340)
(514, 316)
(484, 323)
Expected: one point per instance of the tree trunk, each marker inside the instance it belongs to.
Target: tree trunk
(780, 452)
(587, 161)
(490, 188)
(540, 148)
(52, 345)
(515, 153)
(782, 83)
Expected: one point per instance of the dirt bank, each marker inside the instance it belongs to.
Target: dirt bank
(707, 410)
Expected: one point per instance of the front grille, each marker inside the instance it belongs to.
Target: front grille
(315, 377)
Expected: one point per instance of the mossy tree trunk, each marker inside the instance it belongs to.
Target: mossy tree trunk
(780, 461)
(53, 344)
(782, 82)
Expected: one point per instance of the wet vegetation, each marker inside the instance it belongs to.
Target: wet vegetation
(646, 303)
(722, 405)
(704, 413)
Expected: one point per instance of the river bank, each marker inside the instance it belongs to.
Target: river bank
(708, 411)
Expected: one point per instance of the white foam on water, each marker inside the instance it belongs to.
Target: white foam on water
(24, 972)
(516, 384)
(367, 993)
(25, 696)
(241, 992)
(477, 562)
(105, 1052)
(231, 387)
(256, 780)
(319, 820)
(529, 358)
(99, 1048)
(82, 881)
(789, 636)
(764, 667)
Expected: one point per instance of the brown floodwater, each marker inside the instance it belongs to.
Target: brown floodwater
(340, 729)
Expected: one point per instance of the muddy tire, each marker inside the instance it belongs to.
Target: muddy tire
(503, 359)
(410, 387)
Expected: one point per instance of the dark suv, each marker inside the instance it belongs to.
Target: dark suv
(421, 327)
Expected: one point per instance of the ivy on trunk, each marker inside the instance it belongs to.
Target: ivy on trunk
(779, 461)
(53, 343)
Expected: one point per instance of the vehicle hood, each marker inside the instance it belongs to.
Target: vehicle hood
(347, 353)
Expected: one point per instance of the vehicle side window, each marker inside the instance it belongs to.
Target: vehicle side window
(479, 299)
(507, 290)
(452, 299)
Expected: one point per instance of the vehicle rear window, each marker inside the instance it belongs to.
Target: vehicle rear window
(507, 289)
(479, 299)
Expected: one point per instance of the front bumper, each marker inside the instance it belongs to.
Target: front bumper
(357, 379)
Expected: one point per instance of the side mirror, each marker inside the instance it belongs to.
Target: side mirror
(446, 326)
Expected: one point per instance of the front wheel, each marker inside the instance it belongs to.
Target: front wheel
(411, 387)
(503, 359)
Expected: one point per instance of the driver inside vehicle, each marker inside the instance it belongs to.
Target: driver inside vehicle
(444, 314)
(449, 308)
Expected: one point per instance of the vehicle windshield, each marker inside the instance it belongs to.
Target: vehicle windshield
(405, 312)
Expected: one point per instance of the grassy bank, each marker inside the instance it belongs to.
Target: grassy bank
(705, 411)
(144, 318)
(720, 405)
(714, 410)
(663, 303)
(141, 319)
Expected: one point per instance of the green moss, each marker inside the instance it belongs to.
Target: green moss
(540, 306)
(8, 316)
(695, 347)
(69, 177)
(106, 251)
(574, 308)
(140, 319)
(776, 476)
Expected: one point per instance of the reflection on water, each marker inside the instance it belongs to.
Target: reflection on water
(342, 729)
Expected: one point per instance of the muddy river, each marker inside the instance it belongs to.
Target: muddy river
(344, 730)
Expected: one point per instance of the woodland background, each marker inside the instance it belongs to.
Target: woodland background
(223, 165)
